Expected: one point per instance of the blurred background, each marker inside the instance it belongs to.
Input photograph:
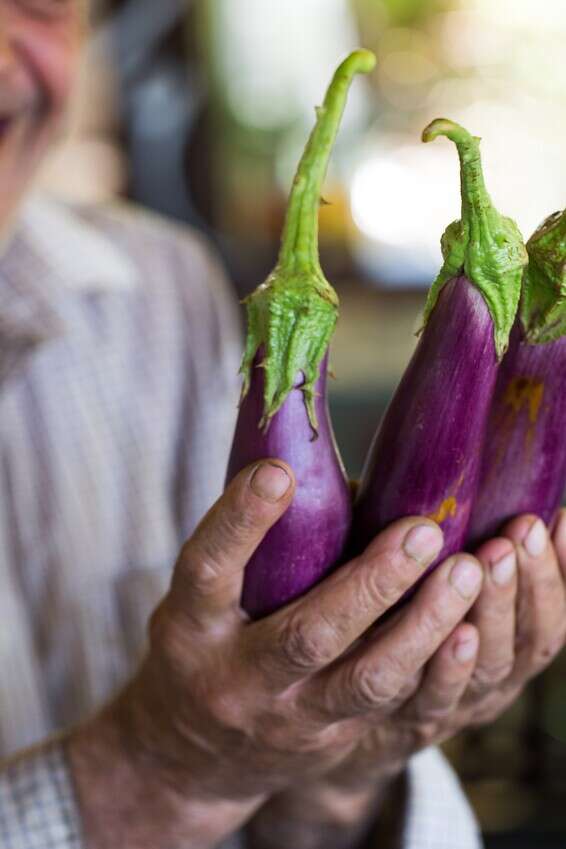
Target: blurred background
(199, 110)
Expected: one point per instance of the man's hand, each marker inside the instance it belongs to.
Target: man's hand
(519, 624)
(514, 630)
(225, 712)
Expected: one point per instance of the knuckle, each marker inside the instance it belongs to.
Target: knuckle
(431, 624)
(204, 556)
(372, 689)
(411, 686)
(238, 525)
(223, 709)
(198, 564)
(436, 620)
(437, 713)
(487, 677)
(381, 587)
(368, 690)
(203, 576)
(305, 645)
(169, 636)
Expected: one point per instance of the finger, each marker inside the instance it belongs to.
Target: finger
(311, 633)
(541, 607)
(208, 576)
(373, 676)
(494, 616)
(446, 679)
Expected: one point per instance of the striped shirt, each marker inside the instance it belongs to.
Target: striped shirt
(119, 350)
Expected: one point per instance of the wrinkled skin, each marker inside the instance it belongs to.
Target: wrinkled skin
(234, 712)
(517, 641)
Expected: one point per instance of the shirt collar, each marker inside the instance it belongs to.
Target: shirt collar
(80, 256)
(53, 255)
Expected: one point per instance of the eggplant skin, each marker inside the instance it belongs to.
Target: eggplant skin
(524, 462)
(309, 539)
(425, 458)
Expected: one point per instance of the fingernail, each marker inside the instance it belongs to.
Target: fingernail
(466, 649)
(536, 539)
(270, 482)
(466, 577)
(423, 543)
(503, 571)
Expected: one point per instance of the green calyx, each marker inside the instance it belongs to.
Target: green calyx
(484, 245)
(292, 315)
(543, 305)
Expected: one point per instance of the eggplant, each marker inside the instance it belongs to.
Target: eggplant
(524, 459)
(284, 411)
(425, 457)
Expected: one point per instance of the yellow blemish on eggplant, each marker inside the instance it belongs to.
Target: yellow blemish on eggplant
(525, 393)
(448, 508)
(522, 395)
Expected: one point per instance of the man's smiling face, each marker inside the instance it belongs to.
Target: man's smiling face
(39, 43)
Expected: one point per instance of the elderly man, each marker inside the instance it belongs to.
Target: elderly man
(118, 355)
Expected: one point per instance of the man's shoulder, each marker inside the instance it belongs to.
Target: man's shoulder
(123, 243)
(163, 252)
(136, 228)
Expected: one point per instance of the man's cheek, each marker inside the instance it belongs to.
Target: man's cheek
(53, 56)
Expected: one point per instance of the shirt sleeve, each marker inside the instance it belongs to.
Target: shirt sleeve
(434, 800)
(37, 802)
(38, 808)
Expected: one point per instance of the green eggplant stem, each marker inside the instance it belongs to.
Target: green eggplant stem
(483, 245)
(299, 243)
(292, 315)
(475, 198)
(543, 305)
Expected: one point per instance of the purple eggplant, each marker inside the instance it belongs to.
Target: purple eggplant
(425, 458)
(310, 537)
(524, 460)
(283, 412)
